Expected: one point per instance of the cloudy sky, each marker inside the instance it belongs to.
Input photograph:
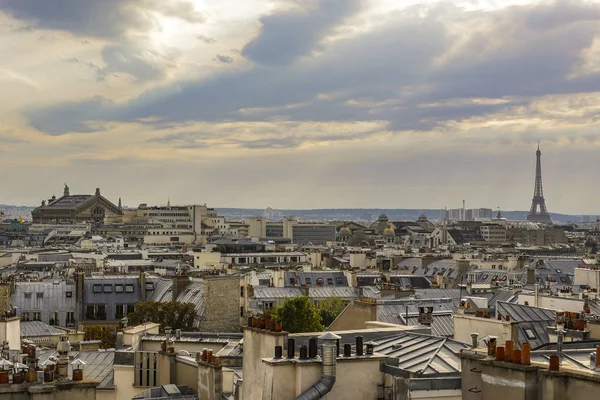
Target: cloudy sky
(301, 103)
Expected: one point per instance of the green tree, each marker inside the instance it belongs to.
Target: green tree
(298, 314)
(330, 309)
(107, 336)
(172, 314)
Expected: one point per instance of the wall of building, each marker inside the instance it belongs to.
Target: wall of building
(486, 379)
(464, 325)
(258, 344)
(222, 300)
(187, 373)
(356, 378)
(586, 276)
(203, 259)
(568, 386)
(210, 381)
(123, 381)
(57, 391)
(354, 316)
(106, 395)
(10, 331)
(552, 302)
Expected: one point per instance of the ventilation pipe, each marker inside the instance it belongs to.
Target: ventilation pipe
(329, 356)
(474, 339)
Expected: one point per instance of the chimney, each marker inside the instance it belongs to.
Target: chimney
(291, 348)
(328, 365)
(143, 283)
(63, 348)
(180, 282)
(177, 334)
(312, 347)
(474, 339)
(347, 350)
(305, 290)
(530, 276)
(359, 346)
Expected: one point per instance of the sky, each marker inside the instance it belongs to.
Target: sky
(301, 103)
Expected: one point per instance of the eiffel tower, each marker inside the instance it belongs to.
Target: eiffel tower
(538, 195)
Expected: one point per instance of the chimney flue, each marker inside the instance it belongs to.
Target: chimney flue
(303, 352)
(312, 347)
(278, 352)
(291, 348)
(347, 350)
(359, 346)
(474, 339)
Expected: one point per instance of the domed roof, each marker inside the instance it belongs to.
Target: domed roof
(345, 231)
(389, 231)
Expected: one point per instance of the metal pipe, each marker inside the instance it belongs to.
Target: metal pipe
(312, 347)
(328, 364)
(474, 341)
(291, 350)
(359, 346)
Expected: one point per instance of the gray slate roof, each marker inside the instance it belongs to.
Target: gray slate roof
(533, 321)
(99, 365)
(38, 328)
(422, 354)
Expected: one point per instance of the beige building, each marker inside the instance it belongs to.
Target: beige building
(493, 233)
(574, 378)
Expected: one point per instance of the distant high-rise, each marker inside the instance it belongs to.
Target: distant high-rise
(538, 195)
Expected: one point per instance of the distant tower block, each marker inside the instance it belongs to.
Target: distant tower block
(538, 195)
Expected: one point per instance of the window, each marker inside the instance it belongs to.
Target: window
(70, 318)
(97, 288)
(69, 294)
(53, 319)
(37, 316)
(95, 312)
(101, 312)
(119, 289)
(39, 295)
(319, 281)
(530, 335)
(27, 295)
(242, 311)
(267, 305)
(150, 286)
(90, 312)
(330, 281)
(24, 316)
(128, 288)
(308, 281)
(339, 281)
(107, 288)
(242, 291)
(119, 311)
(130, 308)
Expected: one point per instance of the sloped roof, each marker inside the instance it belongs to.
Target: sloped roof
(442, 324)
(422, 354)
(38, 328)
(533, 321)
(99, 365)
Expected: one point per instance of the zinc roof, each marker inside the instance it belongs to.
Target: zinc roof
(422, 354)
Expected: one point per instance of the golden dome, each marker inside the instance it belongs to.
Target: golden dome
(345, 231)
(389, 231)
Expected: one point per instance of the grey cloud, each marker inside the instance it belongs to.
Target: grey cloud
(206, 39)
(203, 139)
(287, 35)
(224, 59)
(103, 18)
(69, 117)
(387, 74)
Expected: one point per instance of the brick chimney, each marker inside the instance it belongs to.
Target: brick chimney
(180, 282)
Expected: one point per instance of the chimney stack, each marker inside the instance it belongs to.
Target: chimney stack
(359, 346)
(474, 339)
